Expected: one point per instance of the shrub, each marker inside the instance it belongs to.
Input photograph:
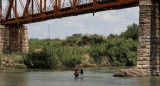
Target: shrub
(91, 39)
(0, 61)
(37, 60)
(71, 61)
(131, 32)
(96, 39)
(97, 52)
(51, 56)
(72, 40)
(85, 40)
(45, 59)
(69, 41)
(118, 50)
(131, 60)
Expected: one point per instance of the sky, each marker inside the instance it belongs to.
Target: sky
(102, 23)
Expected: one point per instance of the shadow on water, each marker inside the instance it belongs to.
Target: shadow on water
(13, 79)
(148, 81)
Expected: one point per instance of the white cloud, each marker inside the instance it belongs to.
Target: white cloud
(103, 23)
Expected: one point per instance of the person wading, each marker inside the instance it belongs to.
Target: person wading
(81, 72)
(76, 73)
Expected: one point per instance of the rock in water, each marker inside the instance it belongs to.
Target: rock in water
(133, 72)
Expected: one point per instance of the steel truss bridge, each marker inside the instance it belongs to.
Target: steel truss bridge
(31, 11)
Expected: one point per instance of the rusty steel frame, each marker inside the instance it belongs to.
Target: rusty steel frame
(59, 12)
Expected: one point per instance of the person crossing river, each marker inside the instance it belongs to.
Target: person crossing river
(81, 73)
(76, 73)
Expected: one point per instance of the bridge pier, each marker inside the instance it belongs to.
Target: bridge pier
(13, 38)
(149, 37)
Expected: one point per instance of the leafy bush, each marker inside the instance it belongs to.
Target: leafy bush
(72, 40)
(131, 32)
(97, 52)
(71, 61)
(118, 50)
(51, 56)
(37, 60)
(85, 40)
(0, 61)
(97, 39)
(131, 60)
(91, 39)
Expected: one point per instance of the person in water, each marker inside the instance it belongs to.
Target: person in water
(76, 73)
(81, 72)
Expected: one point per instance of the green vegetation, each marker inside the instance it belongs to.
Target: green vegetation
(78, 49)
(52, 56)
(131, 32)
(12, 61)
(0, 61)
(119, 50)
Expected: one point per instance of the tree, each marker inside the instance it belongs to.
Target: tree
(131, 32)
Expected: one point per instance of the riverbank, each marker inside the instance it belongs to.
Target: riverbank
(11, 61)
(78, 49)
(17, 61)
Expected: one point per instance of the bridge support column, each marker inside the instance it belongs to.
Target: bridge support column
(13, 39)
(149, 37)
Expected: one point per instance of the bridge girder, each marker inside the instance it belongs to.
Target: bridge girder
(59, 9)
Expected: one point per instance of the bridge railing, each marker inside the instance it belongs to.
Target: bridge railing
(63, 6)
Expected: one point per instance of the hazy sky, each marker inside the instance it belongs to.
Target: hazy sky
(103, 23)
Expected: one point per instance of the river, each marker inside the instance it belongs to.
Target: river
(64, 77)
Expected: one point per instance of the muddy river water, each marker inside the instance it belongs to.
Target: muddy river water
(65, 77)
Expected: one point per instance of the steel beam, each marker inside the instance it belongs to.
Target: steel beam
(26, 9)
(74, 9)
(9, 9)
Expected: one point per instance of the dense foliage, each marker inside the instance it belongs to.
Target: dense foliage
(0, 61)
(121, 50)
(131, 32)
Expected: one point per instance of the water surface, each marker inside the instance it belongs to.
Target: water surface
(92, 77)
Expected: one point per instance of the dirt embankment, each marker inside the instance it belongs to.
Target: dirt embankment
(89, 62)
(12, 62)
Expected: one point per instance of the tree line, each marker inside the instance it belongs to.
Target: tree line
(112, 50)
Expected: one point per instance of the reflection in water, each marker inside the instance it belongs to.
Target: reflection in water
(155, 81)
(92, 77)
(13, 79)
(149, 81)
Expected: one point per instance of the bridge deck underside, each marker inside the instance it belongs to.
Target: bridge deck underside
(103, 5)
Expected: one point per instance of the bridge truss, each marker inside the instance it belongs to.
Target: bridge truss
(30, 11)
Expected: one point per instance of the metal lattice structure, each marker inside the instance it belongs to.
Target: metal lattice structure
(1, 4)
(42, 10)
(0, 8)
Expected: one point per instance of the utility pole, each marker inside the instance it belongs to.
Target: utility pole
(48, 32)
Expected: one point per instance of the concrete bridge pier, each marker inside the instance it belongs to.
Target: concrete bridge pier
(13, 38)
(149, 37)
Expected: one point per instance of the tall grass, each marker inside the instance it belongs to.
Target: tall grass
(52, 56)
(118, 49)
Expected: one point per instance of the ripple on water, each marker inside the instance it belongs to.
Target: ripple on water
(92, 77)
